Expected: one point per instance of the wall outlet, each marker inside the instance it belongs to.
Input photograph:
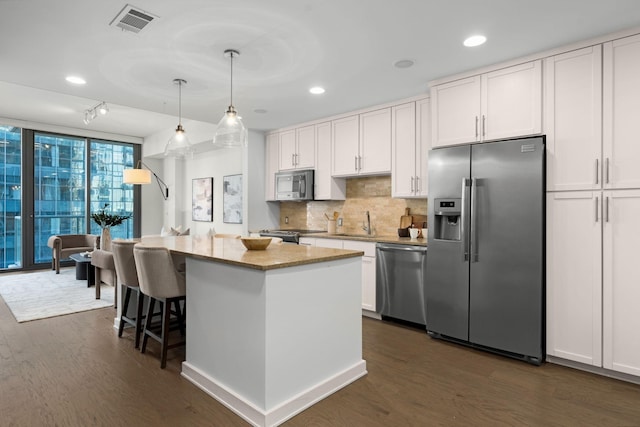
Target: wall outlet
(286, 220)
(339, 222)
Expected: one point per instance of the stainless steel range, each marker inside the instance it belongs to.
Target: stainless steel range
(290, 235)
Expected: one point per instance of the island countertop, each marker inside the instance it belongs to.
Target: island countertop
(232, 251)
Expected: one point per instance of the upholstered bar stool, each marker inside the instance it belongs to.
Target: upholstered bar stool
(128, 276)
(162, 282)
(105, 271)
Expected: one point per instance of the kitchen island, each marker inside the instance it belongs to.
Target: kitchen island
(270, 333)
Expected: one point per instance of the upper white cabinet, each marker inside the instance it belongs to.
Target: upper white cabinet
(326, 187)
(297, 148)
(573, 124)
(621, 110)
(345, 138)
(271, 165)
(501, 104)
(410, 143)
(361, 144)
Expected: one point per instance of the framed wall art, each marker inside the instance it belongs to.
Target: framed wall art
(232, 199)
(202, 199)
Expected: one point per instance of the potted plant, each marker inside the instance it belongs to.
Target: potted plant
(106, 221)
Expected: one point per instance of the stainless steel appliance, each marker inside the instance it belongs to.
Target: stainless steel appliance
(294, 185)
(288, 236)
(485, 282)
(400, 276)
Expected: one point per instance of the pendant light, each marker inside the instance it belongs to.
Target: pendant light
(230, 132)
(179, 145)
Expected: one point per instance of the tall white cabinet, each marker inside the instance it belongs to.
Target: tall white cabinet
(593, 205)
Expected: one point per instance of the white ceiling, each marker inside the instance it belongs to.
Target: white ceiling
(286, 46)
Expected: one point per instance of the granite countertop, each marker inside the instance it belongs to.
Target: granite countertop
(364, 238)
(232, 251)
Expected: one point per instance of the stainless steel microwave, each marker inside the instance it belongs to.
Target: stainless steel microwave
(294, 185)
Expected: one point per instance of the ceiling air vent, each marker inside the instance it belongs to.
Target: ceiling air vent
(132, 18)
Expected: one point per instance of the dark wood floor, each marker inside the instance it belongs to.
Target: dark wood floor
(74, 371)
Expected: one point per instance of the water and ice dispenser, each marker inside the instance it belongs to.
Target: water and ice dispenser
(447, 219)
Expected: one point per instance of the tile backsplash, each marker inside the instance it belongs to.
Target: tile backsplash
(371, 194)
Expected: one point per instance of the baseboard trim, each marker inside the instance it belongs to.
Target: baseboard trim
(594, 369)
(281, 413)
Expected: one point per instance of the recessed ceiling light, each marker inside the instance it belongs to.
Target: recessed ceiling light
(403, 63)
(316, 90)
(260, 111)
(475, 41)
(76, 80)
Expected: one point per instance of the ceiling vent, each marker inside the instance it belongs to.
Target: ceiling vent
(132, 19)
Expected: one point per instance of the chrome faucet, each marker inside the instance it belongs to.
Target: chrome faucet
(367, 227)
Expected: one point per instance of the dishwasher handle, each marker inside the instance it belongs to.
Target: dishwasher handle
(400, 247)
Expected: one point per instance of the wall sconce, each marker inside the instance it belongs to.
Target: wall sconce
(139, 176)
(90, 114)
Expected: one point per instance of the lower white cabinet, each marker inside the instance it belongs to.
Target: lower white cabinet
(574, 271)
(593, 292)
(368, 271)
(621, 281)
(368, 264)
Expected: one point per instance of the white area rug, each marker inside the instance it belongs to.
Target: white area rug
(43, 294)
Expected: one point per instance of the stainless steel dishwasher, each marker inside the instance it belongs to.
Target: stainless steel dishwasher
(400, 275)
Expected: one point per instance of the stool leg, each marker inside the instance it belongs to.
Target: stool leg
(147, 324)
(179, 315)
(139, 317)
(166, 314)
(125, 307)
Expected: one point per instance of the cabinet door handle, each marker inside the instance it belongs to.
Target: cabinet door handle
(606, 167)
(597, 203)
(484, 119)
(355, 166)
(359, 163)
(412, 179)
(293, 160)
(417, 184)
(597, 171)
(476, 127)
(606, 212)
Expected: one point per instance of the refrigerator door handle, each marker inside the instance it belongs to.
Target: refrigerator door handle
(463, 219)
(474, 220)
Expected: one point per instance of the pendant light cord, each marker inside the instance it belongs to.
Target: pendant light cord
(180, 102)
(231, 79)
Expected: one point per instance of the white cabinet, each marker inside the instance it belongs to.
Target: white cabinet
(361, 144)
(345, 138)
(375, 142)
(501, 104)
(368, 271)
(573, 124)
(621, 110)
(271, 165)
(574, 267)
(592, 278)
(621, 286)
(410, 143)
(368, 264)
(326, 187)
(297, 148)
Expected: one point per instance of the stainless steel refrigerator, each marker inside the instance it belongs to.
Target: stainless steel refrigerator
(485, 279)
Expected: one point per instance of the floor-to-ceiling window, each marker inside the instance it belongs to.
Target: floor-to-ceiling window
(51, 183)
(108, 160)
(59, 186)
(11, 190)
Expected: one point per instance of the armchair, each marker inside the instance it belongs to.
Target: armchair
(66, 244)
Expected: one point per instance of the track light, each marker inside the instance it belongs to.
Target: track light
(92, 113)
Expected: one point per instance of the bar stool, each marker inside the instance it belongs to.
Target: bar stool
(128, 276)
(160, 281)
